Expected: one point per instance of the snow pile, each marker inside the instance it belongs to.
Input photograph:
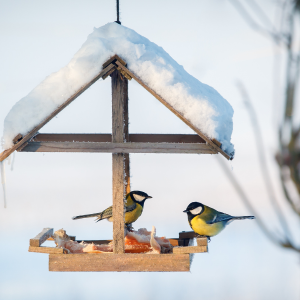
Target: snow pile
(197, 102)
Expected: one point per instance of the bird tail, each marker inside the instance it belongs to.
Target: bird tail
(242, 218)
(86, 216)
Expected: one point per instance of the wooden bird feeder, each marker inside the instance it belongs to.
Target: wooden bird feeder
(120, 143)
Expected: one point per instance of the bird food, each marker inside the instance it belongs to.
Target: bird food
(140, 241)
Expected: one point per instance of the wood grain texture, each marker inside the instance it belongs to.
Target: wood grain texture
(187, 235)
(41, 237)
(202, 241)
(119, 262)
(119, 95)
(46, 250)
(106, 138)
(113, 60)
(118, 147)
(179, 115)
(189, 249)
(30, 134)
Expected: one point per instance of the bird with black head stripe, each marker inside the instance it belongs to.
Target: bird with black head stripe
(134, 207)
(207, 221)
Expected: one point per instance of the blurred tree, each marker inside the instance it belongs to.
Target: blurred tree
(285, 33)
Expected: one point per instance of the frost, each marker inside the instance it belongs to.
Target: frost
(202, 105)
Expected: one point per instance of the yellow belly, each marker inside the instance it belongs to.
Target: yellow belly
(133, 215)
(200, 227)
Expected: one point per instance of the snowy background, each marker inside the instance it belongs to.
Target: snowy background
(213, 43)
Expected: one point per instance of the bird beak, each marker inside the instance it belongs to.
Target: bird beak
(149, 197)
(185, 211)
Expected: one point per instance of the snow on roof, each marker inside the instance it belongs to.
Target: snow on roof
(199, 103)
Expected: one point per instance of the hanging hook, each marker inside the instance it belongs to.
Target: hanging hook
(118, 14)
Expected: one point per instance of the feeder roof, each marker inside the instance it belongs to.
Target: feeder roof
(199, 103)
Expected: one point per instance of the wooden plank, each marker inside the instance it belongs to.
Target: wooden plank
(106, 138)
(17, 138)
(119, 263)
(108, 73)
(119, 147)
(30, 134)
(118, 124)
(189, 249)
(97, 242)
(202, 241)
(187, 235)
(113, 60)
(49, 250)
(179, 115)
(41, 237)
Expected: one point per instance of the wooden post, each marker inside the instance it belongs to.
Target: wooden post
(119, 135)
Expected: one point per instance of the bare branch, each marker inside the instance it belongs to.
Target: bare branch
(277, 37)
(262, 159)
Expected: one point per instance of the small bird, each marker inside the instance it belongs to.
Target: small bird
(207, 221)
(134, 207)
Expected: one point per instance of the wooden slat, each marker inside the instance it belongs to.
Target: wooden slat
(46, 250)
(41, 237)
(119, 262)
(106, 137)
(97, 242)
(118, 123)
(179, 115)
(187, 235)
(30, 134)
(189, 249)
(202, 241)
(113, 60)
(118, 147)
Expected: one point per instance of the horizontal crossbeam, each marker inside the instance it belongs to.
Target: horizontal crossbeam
(118, 147)
(104, 138)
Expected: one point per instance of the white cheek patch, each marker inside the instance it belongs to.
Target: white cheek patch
(196, 211)
(138, 197)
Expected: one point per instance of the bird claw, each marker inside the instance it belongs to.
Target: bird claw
(129, 228)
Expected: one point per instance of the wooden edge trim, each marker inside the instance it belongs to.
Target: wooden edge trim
(113, 59)
(41, 237)
(30, 134)
(104, 262)
(179, 115)
(189, 249)
(49, 250)
(17, 138)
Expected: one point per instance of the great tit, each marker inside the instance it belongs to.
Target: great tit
(207, 221)
(134, 207)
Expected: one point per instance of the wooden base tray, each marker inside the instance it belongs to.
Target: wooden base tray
(119, 262)
(178, 261)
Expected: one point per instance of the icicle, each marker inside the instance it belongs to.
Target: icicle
(3, 180)
(13, 161)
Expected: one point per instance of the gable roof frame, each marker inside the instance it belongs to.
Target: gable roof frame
(112, 64)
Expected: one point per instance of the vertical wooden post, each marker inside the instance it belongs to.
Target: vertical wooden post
(119, 135)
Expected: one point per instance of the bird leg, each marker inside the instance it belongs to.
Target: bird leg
(129, 227)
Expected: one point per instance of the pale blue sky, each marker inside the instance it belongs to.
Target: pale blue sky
(214, 44)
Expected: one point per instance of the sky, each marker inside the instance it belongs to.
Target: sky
(214, 44)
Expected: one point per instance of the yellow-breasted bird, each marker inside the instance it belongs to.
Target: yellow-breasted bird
(207, 221)
(134, 207)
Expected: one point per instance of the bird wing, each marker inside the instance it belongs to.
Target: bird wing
(131, 207)
(107, 213)
(220, 217)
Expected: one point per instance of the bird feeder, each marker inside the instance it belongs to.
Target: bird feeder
(120, 143)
